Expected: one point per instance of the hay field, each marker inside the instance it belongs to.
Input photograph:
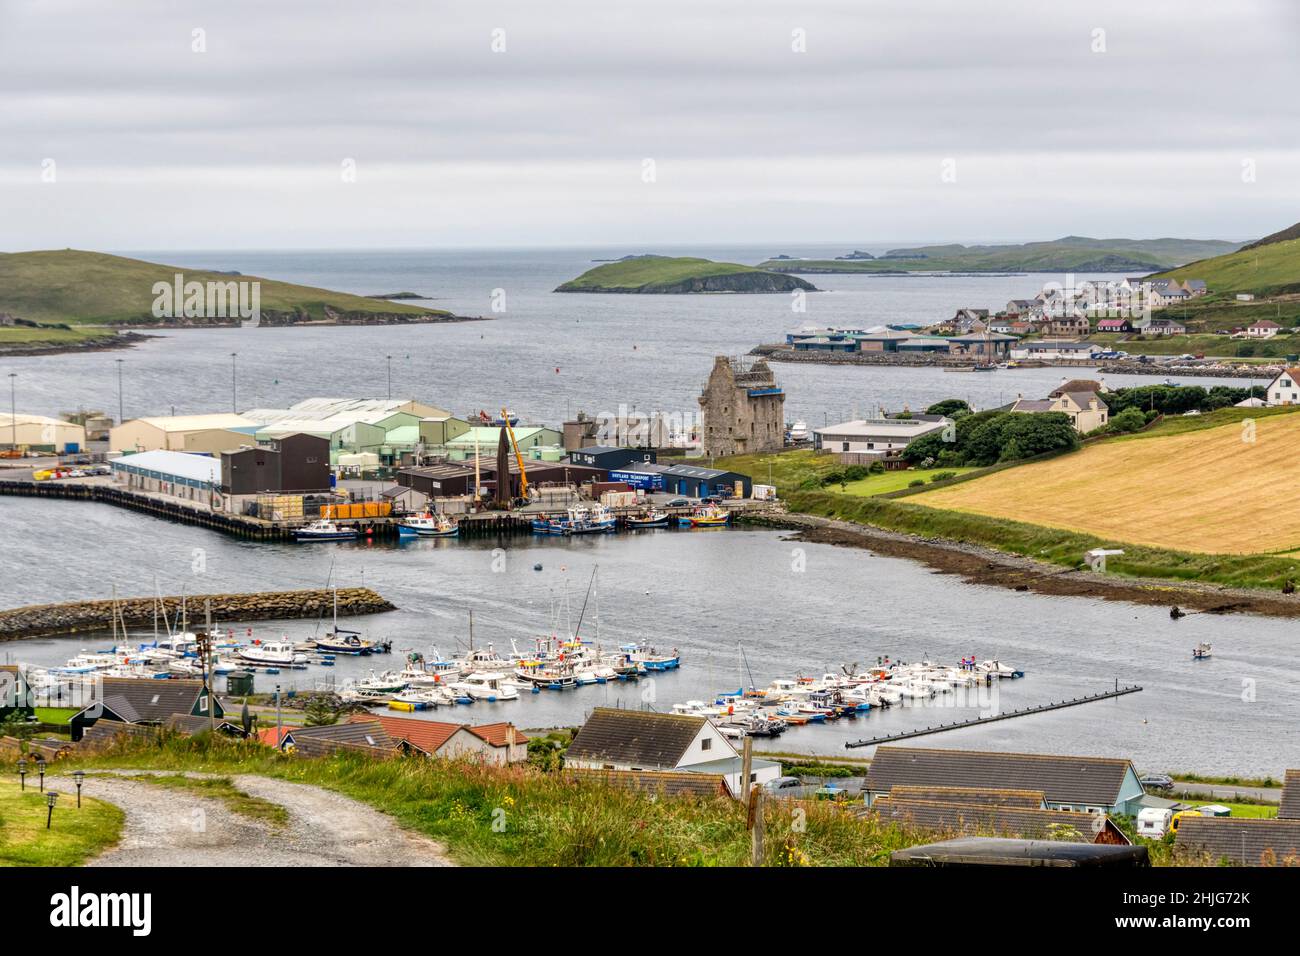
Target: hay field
(1206, 491)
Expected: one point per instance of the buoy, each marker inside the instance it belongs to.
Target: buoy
(537, 567)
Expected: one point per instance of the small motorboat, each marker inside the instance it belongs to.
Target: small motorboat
(325, 530)
(648, 519)
(427, 525)
(1202, 651)
(799, 431)
(271, 654)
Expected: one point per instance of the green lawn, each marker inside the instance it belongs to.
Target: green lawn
(76, 834)
(898, 480)
(21, 335)
(55, 715)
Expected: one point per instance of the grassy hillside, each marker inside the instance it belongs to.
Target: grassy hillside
(74, 287)
(666, 274)
(1070, 254)
(1212, 491)
(1264, 270)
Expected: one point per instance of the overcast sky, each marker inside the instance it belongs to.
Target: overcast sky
(636, 122)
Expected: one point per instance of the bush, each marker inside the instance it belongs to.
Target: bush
(1129, 420)
(949, 407)
(916, 483)
(855, 473)
(942, 476)
(877, 468)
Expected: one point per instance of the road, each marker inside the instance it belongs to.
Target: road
(1214, 791)
(170, 827)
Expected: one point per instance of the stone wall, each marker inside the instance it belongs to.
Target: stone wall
(42, 620)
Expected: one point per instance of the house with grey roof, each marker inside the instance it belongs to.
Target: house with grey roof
(640, 740)
(1240, 841)
(1090, 784)
(138, 700)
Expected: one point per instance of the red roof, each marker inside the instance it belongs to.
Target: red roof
(270, 737)
(427, 735)
(496, 734)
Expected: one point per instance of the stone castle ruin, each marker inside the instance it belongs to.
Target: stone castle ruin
(742, 407)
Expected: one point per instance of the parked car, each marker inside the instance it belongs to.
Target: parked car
(712, 499)
(783, 783)
(679, 503)
(1157, 781)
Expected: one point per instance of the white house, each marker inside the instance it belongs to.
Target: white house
(1285, 389)
(1263, 329)
(876, 436)
(615, 739)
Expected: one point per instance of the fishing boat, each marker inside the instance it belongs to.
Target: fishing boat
(325, 530)
(650, 658)
(710, 517)
(594, 520)
(1202, 651)
(427, 525)
(648, 519)
(388, 682)
(271, 653)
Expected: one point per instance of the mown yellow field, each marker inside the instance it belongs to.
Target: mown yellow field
(1210, 491)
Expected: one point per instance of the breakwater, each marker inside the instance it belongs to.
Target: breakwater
(44, 620)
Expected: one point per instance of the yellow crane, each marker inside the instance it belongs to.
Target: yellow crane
(523, 472)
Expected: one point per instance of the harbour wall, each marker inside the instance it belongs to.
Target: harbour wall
(43, 620)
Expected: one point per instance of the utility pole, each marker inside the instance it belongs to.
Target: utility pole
(207, 666)
(279, 732)
(390, 378)
(120, 417)
(234, 404)
(13, 409)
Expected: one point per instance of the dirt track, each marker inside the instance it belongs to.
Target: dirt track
(169, 827)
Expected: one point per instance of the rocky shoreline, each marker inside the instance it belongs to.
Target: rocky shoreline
(47, 620)
(979, 565)
(109, 343)
(783, 353)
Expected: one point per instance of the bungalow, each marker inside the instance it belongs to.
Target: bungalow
(132, 700)
(1288, 807)
(1263, 329)
(987, 814)
(1240, 841)
(1196, 286)
(1049, 349)
(362, 736)
(614, 739)
(1114, 325)
(1164, 327)
(498, 743)
(1285, 388)
(1090, 784)
(876, 435)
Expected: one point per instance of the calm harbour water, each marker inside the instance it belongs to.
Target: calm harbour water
(710, 593)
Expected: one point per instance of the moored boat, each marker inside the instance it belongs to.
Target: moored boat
(427, 525)
(325, 530)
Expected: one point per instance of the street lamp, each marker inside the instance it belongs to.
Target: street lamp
(390, 378)
(22, 772)
(233, 396)
(13, 408)
(40, 766)
(51, 798)
(78, 777)
(120, 417)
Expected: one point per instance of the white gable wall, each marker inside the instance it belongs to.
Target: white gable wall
(708, 745)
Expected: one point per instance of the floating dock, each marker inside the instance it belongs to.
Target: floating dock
(977, 721)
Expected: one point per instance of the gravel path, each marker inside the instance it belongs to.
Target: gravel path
(169, 827)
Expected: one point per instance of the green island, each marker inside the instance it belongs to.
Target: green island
(1069, 254)
(680, 275)
(69, 299)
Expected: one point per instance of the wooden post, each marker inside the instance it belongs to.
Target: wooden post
(756, 834)
(746, 765)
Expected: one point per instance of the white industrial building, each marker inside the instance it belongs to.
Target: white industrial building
(176, 474)
(876, 436)
(39, 433)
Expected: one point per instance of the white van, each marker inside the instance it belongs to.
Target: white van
(1153, 823)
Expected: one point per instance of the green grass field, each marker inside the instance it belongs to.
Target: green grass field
(1267, 269)
(55, 715)
(75, 836)
(91, 288)
(23, 336)
(892, 481)
(658, 274)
